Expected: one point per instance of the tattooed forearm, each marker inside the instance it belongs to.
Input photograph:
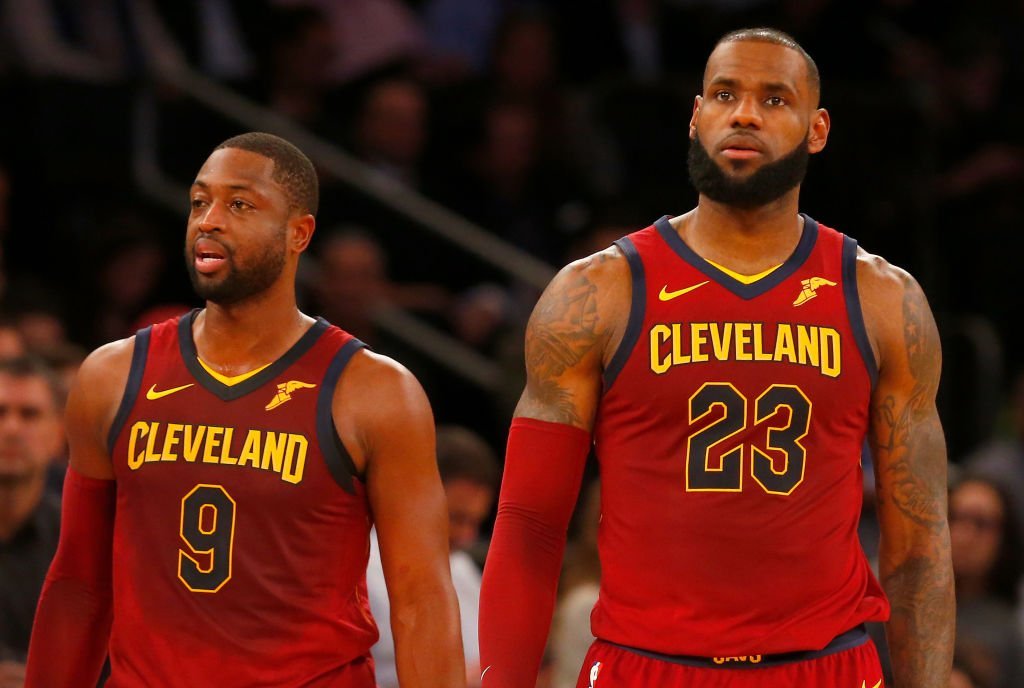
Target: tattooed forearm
(920, 629)
(910, 454)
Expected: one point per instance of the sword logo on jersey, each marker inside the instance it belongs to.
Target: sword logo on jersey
(809, 289)
(665, 295)
(284, 392)
(864, 684)
(595, 669)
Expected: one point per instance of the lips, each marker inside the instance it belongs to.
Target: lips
(208, 255)
(741, 147)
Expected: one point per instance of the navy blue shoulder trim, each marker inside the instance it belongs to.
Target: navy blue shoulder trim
(853, 309)
(636, 312)
(339, 461)
(131, 389)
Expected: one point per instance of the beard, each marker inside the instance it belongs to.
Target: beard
(237, 284)
(767, 184)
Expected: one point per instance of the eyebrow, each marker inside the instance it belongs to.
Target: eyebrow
(772, 86)
(234, 187)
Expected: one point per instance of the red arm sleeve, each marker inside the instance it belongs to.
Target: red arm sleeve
(543, 469)
(72, 624)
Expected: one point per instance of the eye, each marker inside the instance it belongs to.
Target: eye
(197, 203)
(723, 96)
(239, 204)
(775, 101)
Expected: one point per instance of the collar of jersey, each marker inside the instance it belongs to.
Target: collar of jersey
(745, 291)
(230, 392)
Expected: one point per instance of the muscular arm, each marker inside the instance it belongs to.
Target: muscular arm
(910, 466)
(384, 418)
(571, 333)
(74, 614)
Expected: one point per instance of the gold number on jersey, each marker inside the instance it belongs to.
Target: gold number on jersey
(208, 530)
(776, 460)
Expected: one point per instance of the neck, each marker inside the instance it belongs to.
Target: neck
(748, 241)
(17, 502)
(234, 339)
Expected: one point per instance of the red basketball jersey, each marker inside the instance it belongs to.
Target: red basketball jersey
(729, 437)
(242, 531)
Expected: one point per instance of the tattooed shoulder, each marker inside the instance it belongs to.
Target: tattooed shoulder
(569, 328)
(907, 435)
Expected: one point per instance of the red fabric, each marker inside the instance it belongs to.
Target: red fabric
(609, 666)
(730, 448)
(72, 624)
(543, 469)
(232, 533)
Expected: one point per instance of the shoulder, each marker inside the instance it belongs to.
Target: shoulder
(589, 294)
(896, 312)
(377, 397)
(102, 377)
(377, 377)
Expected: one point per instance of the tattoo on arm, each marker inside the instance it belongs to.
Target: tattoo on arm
(910, 451)
(562, 331)
(908, 433)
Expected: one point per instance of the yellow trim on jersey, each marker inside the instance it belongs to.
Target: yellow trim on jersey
(229, 380)
(745, 279)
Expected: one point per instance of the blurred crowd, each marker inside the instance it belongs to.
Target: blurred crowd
(557, 126)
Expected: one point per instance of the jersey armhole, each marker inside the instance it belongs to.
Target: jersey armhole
(638, 302)
(339, 462)
(131, 388)
(853, 310)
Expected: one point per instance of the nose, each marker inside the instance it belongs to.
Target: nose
(212, 219)
(746, 114)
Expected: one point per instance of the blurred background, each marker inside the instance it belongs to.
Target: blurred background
(468, 148)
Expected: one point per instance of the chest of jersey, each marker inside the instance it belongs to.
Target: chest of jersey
(730, 435)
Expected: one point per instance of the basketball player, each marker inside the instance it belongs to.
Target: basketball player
(224, 469)
(728, 365)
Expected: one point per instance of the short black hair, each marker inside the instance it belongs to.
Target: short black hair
(464, 455)
(292, 169)
(769, 35)
(30, 366)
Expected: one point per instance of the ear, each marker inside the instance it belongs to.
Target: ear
(697, 102)
(300, 232)
(818, 134)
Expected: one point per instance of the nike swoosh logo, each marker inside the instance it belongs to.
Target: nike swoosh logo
(153, 395)
(669, 295)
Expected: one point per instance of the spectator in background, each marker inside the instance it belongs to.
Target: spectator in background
(99, 41)
(31, 435)
(122, 277)
(297, 80)
(12, 344)
(368, 35)
(390, 128)
(988, 562)
(351, 281)
(1002, 459)
(470, 474)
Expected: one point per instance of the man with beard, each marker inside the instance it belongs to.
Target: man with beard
(728, 365)
(225, 470)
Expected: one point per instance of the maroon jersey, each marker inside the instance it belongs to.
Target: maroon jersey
(241, 531)
(729, 437)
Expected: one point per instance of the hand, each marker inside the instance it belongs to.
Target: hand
(12, 675)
